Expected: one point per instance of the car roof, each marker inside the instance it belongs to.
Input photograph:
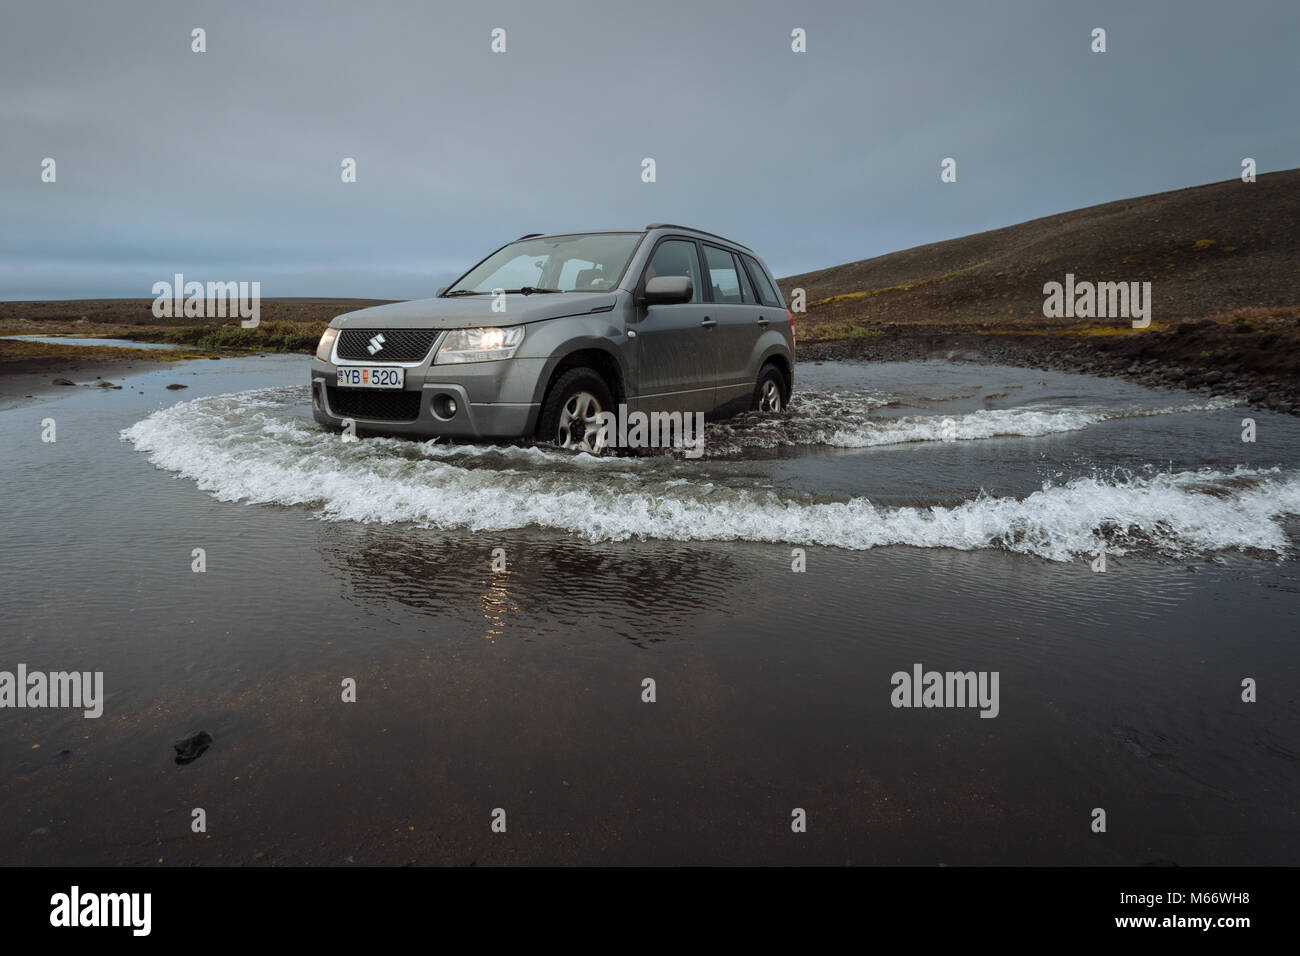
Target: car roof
(653, 227)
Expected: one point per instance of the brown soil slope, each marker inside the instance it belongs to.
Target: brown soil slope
(1206, 250)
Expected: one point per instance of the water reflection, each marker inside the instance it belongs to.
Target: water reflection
(641, 591)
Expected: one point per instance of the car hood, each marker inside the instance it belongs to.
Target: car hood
(465, 312)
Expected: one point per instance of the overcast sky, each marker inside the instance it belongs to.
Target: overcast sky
(226, 164)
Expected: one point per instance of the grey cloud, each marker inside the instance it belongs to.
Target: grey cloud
(226, 164)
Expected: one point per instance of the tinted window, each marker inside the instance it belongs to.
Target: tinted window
(722, 274)
(676, 257)
(766, 294)
(746, 288)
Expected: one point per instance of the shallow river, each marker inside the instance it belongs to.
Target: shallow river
(947, 515)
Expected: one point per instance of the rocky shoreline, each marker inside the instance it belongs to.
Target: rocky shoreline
(1255, 361)
(1256, 368)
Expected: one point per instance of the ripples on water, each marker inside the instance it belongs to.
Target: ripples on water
(373, 559)
(259, 447)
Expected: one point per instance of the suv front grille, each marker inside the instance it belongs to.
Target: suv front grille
(374, 403)
(398, 345)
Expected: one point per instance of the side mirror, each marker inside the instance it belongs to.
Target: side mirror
(668, 290)
(441, 290)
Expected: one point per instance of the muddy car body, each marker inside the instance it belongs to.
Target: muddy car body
(550, 330)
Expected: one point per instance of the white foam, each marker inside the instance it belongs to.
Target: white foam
(237, 448)
(845, 423)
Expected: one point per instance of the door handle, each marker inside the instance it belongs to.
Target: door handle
(762, 320)
(708, 323)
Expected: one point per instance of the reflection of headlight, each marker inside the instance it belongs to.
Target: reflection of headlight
(480, 345)
(326, 344)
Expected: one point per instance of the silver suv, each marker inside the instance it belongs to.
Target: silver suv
(549, 331)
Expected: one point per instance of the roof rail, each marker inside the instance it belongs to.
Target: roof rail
(531, 235)
(673, 225)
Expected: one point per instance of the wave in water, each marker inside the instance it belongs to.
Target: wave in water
(242, 448)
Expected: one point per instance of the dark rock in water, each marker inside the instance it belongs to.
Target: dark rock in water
(173, 386)
(193, 747)
(62, 381)
(108, 385)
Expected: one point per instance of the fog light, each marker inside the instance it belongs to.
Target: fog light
(444, 406)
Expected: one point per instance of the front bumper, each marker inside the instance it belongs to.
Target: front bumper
(493, 400)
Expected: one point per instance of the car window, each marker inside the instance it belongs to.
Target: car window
(579, 274)
(676, 257)
(581, 262)
(518, 272)
(722, 274)
(766, 294)
(746, 287)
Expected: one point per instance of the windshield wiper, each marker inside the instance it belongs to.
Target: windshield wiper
(448, 295)
(530, 289)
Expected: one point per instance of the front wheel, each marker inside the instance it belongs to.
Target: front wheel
(769, 394)
(571, 414)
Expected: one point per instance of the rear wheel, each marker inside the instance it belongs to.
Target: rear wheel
(572, 409)
(769, 394)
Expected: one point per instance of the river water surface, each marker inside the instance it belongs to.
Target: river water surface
(948, 515)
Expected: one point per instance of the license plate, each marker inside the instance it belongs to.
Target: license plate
(371, 376)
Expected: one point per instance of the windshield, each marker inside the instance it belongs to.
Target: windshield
(591, 262)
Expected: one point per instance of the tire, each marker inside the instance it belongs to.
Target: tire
(770, 393)
(571, 404)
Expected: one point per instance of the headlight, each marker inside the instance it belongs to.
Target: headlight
(480, 345)
(326, 344)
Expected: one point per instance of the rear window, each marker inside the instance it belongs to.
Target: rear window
(746, 288)
(766, 293)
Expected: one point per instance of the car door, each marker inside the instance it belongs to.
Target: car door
(770, 310)
(676, 345)
(735, 309)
